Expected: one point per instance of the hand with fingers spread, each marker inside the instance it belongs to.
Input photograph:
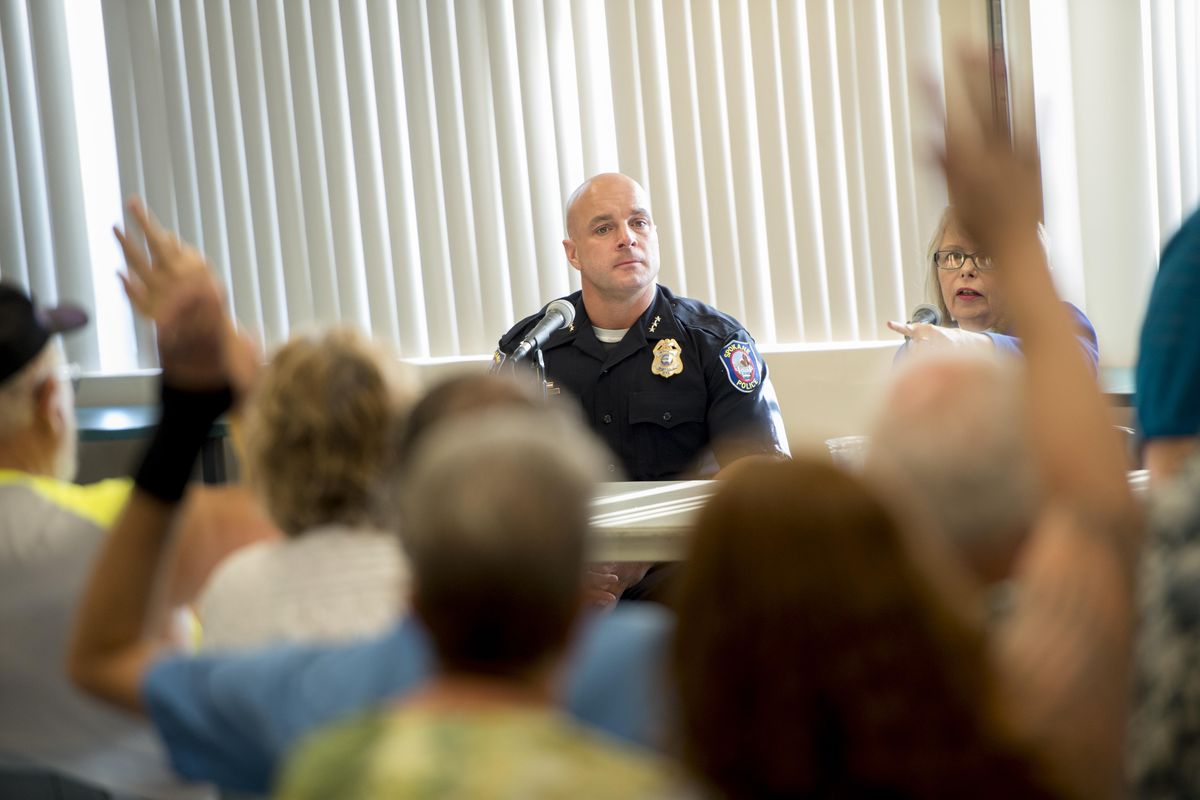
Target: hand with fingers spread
(170, 283)
(995, 187)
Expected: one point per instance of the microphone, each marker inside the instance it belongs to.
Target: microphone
(926, 313)
(559, 314)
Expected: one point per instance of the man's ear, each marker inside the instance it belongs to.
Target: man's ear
(48, 406)
(569, 249)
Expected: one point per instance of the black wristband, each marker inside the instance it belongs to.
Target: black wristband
(187, 419)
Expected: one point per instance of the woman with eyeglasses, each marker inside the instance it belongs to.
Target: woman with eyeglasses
(962, 286)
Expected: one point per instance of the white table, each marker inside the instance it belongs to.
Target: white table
(645, 521)
(651, 520)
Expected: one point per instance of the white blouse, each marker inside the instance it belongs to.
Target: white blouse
(329, 584)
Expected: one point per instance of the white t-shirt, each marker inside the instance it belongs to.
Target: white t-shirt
(331, 583)
(610, 335)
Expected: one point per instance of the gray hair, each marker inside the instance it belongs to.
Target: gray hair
(952, 438)
(495, 516)
(465, 468)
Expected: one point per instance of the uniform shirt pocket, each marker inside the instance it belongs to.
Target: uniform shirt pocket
(665, 409)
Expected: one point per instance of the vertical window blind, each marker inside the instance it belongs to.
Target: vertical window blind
(44, 245)
(403, 165)
(1117, 92)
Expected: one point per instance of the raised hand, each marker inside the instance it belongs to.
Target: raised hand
(169, 282)
(995, 187)
(153, 277)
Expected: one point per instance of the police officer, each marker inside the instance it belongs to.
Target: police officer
(671, 384)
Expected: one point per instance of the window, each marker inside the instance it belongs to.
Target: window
(1115, 89)
(403, 166)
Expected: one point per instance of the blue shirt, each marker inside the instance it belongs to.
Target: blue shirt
(1168, 368)
(231, 718)
(1085, 334)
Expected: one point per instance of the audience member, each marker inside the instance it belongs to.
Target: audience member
(496, 583)
(231, 718)
(829, 666)
(321, 427)
(972, 301)
(464, 394)
(1051, 691)
(1165, 733)
(50, 530)
(948, 444)
(1168, 368)
(471, 393)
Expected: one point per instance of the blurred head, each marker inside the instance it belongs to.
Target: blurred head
(825, 664)
(321, 429)
(37, 401)
(496, 507)
(466, 394)
(611, 237)
(951, 441)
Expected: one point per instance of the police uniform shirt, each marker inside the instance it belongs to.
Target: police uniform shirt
(684, 376)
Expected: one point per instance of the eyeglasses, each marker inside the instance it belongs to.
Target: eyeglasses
(953, 260)
(72, 373)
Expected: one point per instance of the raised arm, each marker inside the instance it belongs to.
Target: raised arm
(996, 193)
(111, 647)
(1062, 657)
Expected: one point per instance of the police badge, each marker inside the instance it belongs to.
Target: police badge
(498, 359)
(668, 358)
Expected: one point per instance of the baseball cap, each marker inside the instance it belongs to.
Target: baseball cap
(25, 328)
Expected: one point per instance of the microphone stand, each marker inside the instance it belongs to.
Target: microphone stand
(537, 363)
(539, 369)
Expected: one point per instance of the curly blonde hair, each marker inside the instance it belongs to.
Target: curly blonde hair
(321, 432)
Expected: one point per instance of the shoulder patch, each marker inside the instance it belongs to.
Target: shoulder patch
(742, 365)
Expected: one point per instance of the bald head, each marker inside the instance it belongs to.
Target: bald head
(595, 189)
(952, 438)
(942, 391)
(612, 241)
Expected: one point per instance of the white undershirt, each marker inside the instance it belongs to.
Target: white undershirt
(610, 335)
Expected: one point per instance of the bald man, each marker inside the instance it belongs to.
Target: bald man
(949, 441)
(673, 386)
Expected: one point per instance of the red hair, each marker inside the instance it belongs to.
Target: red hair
(813, 659)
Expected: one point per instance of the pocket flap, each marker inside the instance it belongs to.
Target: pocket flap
(667, 409)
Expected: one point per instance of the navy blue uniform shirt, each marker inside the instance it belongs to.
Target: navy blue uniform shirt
(685, 391)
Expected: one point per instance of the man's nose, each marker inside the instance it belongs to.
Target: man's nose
(628, 239)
